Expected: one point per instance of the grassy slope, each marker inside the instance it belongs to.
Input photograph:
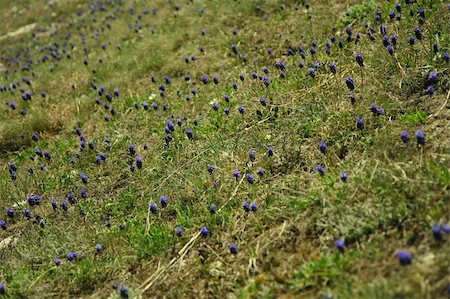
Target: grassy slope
(394, 193)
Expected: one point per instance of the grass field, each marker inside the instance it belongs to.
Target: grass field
(224, 149)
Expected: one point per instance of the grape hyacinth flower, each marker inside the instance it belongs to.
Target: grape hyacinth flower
(322, 147)
(212, 209)
(241, 109)
(359, 59)
(340, 245)
(359, 123)
(445, 228)
(3, 224)
(418, 33)
(138, 162)
(404, 136)
(404, 257)
(153, 208)
(211, 169)
(436, 229)
(390, 49)
(178, 231)
(311, 72)
(98, 248)
(343, 176)
(124, 292)
(83, 178)
(250, 178)
(233, 249)
(349, 82)
(332, 67)
(57, 261)
(163, 201)
(251, 155)
(269, 151)
(260, 171)
(245, 206)
(54, 205)
(253, 207)
(10, 212)
(320, 169)
(204, 232)
(189, 133)
(2, 289)
(420, 137)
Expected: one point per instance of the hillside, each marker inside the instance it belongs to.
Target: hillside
(224, 149)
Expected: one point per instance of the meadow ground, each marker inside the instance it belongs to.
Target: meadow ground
(224, 149)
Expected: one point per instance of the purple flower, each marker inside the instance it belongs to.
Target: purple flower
(359, 123)
(63, 205)
(54, 205)
(189, 133)
(311, 72)
(266, 81)
(432, 77)
(445, 228)
(211, 169)
(253, 207)
(124, 292)
(332, 67)
(83, 178)
(139, 162)
(71, 256)
(262, 100)
(404, 257)
(241, 109)
(394, 39)
(420, 137)
(343, 176)
(320, 169)
(390, 49)
(340, 245)
(170, 125)
(251, 155)
(3, 224)
(204, 79)
(269, 151)
(260, 171)
(349, 82)
(57, 261)
(204, 231)
(215, 106)
(245, 206)
(322, 147)
(249, 178)
(418, 33)
(10, 212)
(236, 174)
(212, 209)
(178, 231)
(404, 136)
(430, 90)
(2, 289)
(233, 248)
(163, 201)
(153, 208)
(436, 229)
(98, 248)
(359, 59)
(83, 193)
